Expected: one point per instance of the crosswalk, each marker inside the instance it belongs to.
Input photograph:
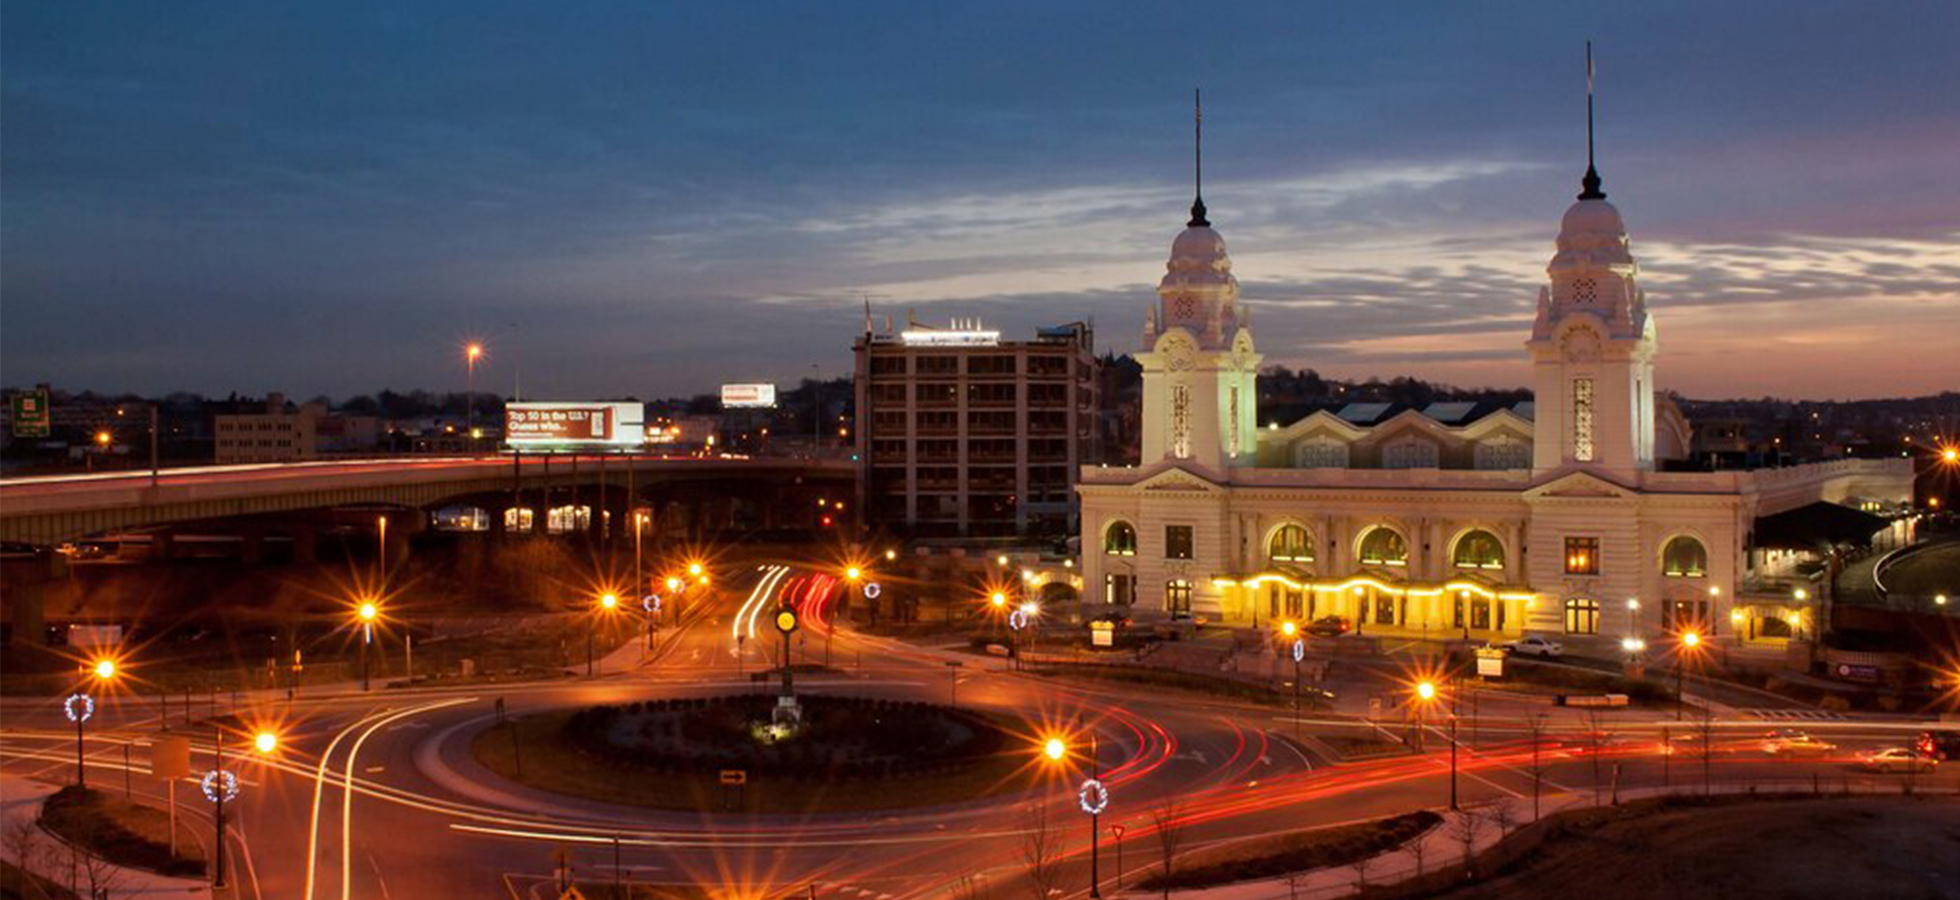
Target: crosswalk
(1811, 715)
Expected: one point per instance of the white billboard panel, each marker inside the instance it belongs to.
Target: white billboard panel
(738, 396)
(573, 425)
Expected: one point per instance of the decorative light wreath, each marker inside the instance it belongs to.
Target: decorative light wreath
(1094, 796)
(1299, 649)
(1017, 620)
(872, 590)
(214, 779)
(79, 707)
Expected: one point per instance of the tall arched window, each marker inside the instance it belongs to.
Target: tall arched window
(1478, 550)
(1581, 616)
(1383, 546)
(1684, 557)
(1290, 544)
(1120, 539)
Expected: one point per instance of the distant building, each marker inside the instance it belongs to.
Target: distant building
(962, 434)
(280, 433)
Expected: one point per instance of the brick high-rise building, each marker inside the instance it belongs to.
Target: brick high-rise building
(962, 434)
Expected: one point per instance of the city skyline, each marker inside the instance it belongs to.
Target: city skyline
(630, 204)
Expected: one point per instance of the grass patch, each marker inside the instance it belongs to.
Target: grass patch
(119, 831)
(1369, 743)
(1269, 857)
(541, 756)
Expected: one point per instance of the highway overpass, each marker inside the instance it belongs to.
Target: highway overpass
(46, 511)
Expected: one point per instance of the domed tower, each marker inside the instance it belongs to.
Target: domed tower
(1199, 365)
(1592, 346)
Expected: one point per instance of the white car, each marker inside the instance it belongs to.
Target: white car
(1534, 645)
(1898, 759)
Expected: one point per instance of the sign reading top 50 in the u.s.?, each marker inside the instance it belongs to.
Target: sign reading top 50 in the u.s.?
(530, 425)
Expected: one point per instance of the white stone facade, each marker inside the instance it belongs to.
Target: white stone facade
(1552, 517)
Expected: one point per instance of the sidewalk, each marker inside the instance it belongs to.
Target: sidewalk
(21, 799)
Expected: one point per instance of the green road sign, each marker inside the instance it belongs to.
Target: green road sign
(31, 416)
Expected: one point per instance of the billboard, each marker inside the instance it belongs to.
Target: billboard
(574, 425)
(738, 396)
(31, 416)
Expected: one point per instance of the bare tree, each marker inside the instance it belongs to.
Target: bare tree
(1170, 833)
(23, 842)
(1419, 849)
(1535, 732)
(1294, 882)
(1360, 865)
(1504, 816)
(101, 876)
(1594, 739)
(1465, 828)
(1041, 852)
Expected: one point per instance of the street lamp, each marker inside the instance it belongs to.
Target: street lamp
(853, 573)
(1426, 694)
(608, 602)
(1054, 749)
(221, 786)
(471, 353)
(1689, 641)
(367, 612)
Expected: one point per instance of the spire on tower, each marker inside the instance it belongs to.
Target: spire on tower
(1590, 184)
(1198, 219)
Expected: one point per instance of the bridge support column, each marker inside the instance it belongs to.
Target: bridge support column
(306, 545)
(24, 588)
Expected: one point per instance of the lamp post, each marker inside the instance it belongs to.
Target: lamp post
(1095, 798)
(1689, 641)
(220, 786)
(367, 613)
(608, 602)
(471, 354)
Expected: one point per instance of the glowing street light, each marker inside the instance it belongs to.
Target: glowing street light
(673, 584)
(891, 555)
(853, 573)
(1426, 694)
(1689, 641)
(608, 602)
(471, 354)
(1055, 749)
(1289, 628)
(695, 569)
(265, 742)
(999, 600)
(367, 613)
(1426, 690)
(105, 669)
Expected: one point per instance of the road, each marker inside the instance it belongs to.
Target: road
(377, 796)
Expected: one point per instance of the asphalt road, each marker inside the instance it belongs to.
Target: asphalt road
(377, 796)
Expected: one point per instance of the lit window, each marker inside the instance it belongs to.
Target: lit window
(1291, 544)
(1384, 547)
(1177, 598)
(1581, 616)
(1478, 550)
(1581, 556)
(1684, 557)
(1120, 539)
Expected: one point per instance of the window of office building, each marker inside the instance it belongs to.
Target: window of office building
(1177, 542)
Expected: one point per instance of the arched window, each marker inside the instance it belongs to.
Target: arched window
(1290, 544)
(1684, 557)
(1383, 546)
(1478, 550)
(1581, 616)
(1120, 539)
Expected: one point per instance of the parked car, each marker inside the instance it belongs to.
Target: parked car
(1939, 745)
(1535, 645)
(1789, 742)
(1897, 759)
(1328, 626)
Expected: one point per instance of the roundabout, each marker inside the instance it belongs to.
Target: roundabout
(729, 754)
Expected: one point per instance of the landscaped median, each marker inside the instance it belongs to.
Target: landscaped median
(119, 831)
(724, 754)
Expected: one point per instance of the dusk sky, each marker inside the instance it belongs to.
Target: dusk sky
(653, 198)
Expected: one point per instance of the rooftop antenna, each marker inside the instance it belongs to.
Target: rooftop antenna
(1198, 219)
(1591, 182)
